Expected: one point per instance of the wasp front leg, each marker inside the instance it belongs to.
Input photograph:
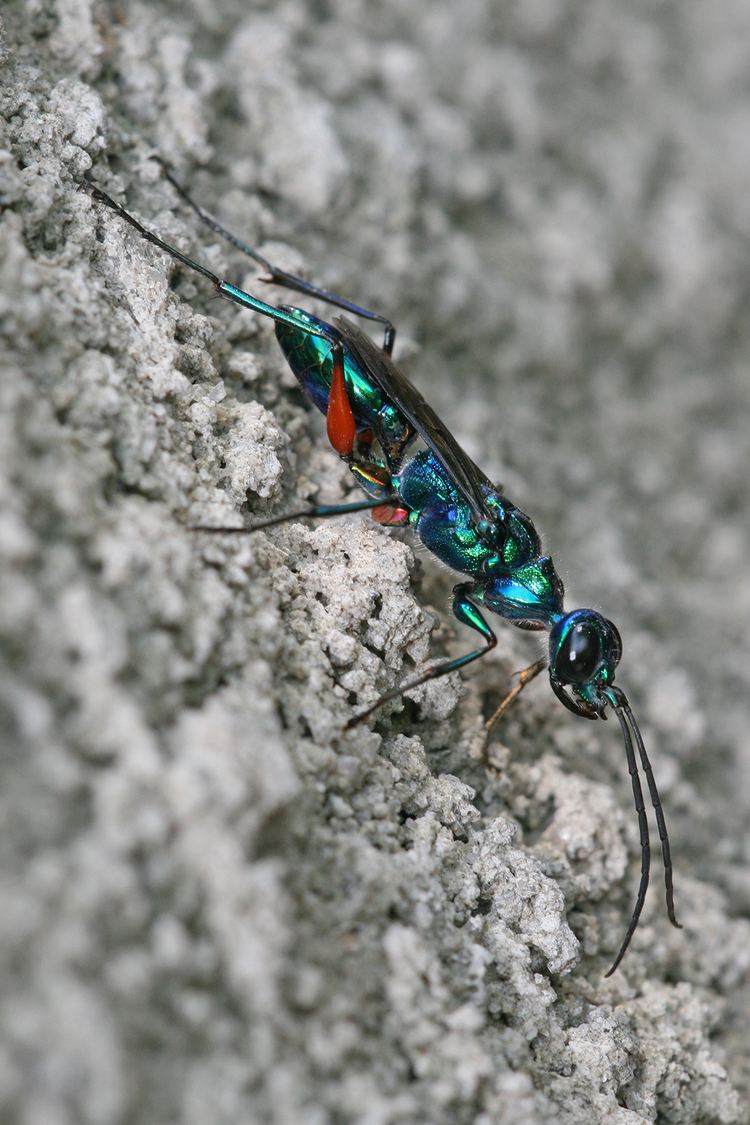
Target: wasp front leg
(524, 677)
(467, 613)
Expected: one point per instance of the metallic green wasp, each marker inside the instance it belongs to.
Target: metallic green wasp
(375, 419)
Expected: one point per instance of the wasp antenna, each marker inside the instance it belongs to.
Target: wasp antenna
(623, 714)
(659, 813)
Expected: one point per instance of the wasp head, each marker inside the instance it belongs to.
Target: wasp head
(584, 650)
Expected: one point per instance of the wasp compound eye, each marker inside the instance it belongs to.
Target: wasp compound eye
(580, 654)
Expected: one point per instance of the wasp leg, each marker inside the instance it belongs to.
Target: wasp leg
(224, 288)
(525, 676)
(467, 613)
(342, 427)
(279, 276)
(313, 511)
(341, 424)
(370, 475)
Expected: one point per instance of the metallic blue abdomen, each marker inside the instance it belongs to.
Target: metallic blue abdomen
(310, 359)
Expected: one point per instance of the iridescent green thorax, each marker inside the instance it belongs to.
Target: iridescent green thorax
(513, 579)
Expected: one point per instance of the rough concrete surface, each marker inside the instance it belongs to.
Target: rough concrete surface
(215, 905)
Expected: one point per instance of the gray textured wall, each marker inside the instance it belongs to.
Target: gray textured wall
(215, 907)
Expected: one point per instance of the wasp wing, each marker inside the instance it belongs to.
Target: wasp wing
(468, 478)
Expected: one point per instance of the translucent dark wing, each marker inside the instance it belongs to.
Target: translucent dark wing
(469, 479)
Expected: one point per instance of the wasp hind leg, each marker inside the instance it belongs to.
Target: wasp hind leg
(278, 276)
(341, 424)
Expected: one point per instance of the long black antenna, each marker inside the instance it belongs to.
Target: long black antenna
(622, 716)
(659, 812)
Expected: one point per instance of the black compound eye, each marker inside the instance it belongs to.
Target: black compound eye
(579, 655)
